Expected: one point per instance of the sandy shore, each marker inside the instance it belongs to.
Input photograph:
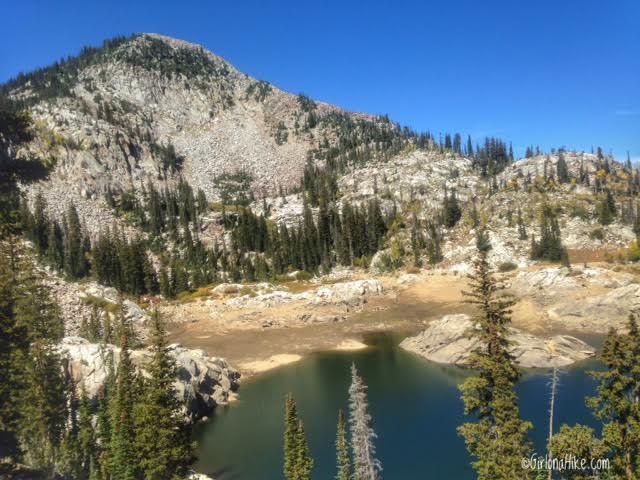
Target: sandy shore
(274, 361)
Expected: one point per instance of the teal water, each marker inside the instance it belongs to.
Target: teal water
(415, 405)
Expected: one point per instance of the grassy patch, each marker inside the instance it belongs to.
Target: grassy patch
(200, 293)
(101, 303)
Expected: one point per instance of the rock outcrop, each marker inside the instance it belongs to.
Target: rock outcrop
(547, 281)
(202, 382)
(198, 476)
(598, 313)
(264, 295)
(446, 341)
(348, 293)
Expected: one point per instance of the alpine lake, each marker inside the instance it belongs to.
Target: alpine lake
(415, 405)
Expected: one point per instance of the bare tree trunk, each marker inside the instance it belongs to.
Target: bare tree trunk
(552, 401)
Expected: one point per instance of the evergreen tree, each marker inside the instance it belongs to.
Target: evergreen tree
(343, 462)
(42, 396)
(43, 407)
(55, 246)
(522, 229)
(13, 348)
(104, 421)
(497, 439)
(636, 223)
(606, 208)
(483, 242)
(86, 438)
(416, 243)
(75, 245)
(36, 312)
(451, 211)
(577, 442)
(562, 171)
(366, 465)
(39, 224)
(550, 246)
(290, 439)
(69, 461)
(434, 243)
(123, 461)
(163, 442)
(617, 403)
(165, 284)
(304, 463)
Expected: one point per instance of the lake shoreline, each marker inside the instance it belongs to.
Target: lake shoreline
(254, 343)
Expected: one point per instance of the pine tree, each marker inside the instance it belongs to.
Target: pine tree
(562, 171)
(104, 421)
(434, 243)
(416, 243)
(304, 463)
(290, 438)
(13, 348)
(42, 395)
(617, 403)
(366, 465)
(41, 391)
(69, 458)
(36, 312)
(483, 242)
(577, 442)
(43, 407)
(550, 246)
(75, 261)
(451, 211)
(86, 438)
(123, 461)
(343, 462)
(636, 223)
(165, 284)
(522, 229)
(40, 225)
(606, 208)
(163, 442)
(55, 246)
(497, 439)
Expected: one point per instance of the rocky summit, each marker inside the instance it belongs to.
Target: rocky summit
(145, 108)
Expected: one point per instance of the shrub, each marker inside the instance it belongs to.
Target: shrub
(596, 234)
(578, 211)
(507, 266)
(303, 276)
(633, 252)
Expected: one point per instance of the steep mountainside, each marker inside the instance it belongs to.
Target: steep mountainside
(151, 108)
(171, 143)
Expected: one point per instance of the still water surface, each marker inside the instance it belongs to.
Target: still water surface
(415, 404)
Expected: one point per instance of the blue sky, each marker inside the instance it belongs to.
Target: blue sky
(544, 72)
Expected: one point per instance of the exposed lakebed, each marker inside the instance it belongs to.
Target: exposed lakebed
(415, 404)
